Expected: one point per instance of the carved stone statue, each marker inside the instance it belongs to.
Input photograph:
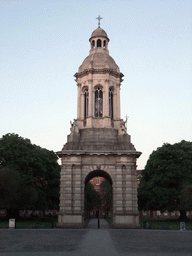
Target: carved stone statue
(74, 126)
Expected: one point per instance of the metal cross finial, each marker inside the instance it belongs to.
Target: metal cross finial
(99, 18)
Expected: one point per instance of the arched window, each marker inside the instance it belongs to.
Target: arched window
(98, 102)
(98, 43)
(93, 44)
(86, 104)
(111, 103)
(104, 44)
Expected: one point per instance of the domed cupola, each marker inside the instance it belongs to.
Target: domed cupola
(99, 40)
(98, 58)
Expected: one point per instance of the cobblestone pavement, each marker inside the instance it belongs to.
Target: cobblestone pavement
(94, 242)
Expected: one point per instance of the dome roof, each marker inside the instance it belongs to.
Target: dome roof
(99, 32)
(99, 60)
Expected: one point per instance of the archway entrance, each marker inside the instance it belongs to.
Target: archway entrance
(98, 200)
(78, 168)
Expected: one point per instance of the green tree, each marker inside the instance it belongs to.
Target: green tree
(16, 191)
(92, 197)
(34, 168)
(167, 179)
(106, 194)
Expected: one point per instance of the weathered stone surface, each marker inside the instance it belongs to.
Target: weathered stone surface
(99, 139)
(98, 145)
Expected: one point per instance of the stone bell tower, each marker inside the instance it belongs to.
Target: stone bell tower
(98, 144)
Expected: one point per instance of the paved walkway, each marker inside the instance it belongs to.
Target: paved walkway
(94, 242)
(93, 224)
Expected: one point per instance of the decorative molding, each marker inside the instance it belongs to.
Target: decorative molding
(99, 71)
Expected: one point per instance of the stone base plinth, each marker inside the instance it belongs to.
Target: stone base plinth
(70, 221)
(125, 221)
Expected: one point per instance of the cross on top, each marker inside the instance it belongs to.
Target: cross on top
(99, 18)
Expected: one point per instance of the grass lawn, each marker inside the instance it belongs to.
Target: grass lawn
(35, 223)
(150, 223)
(159, 223)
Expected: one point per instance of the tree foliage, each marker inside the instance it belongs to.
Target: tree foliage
(167, 179)
(93, 198)
(15, 190)
(30, 172)
(106, 194)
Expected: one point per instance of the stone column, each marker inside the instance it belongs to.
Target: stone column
(118, 114)
(68, 190)
(91, 98)
(128, 178)
(115, 104)
(106, 99)
(134, 188)
(62, 190)
(77, 207)
(91, 104)
(118, 191)
(82, 99)
(124, 188)
(79, 101)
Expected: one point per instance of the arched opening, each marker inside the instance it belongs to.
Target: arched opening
(86, 103)
(104, 44)
(93, 44)
(99, 43)
(98, 195)
(98, 102)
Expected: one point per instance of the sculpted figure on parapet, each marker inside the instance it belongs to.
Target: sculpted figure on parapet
(74, 126)
(123, 126)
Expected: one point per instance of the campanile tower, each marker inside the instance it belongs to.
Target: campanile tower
(98, 143)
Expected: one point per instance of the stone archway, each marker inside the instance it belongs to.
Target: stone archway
(78, 167)
(103, 210)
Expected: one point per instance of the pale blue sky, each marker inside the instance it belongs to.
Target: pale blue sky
(44, 42)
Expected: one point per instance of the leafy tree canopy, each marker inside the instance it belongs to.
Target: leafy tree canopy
(31, 167)
(167, 179)
(106, 194)
(92, 197)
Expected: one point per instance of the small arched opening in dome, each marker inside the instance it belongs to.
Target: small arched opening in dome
(98, 102)
(104, 44)
(99, 43)
(93, 44)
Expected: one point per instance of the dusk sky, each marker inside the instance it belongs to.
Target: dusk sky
(43, 43)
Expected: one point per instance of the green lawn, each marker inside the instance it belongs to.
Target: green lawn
(172, 224)
(150, 223)
(35, 223)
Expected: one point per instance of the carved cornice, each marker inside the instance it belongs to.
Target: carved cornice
(99, 71)
(133, 153)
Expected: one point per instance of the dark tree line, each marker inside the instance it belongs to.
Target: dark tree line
(29, 175)
(166, 182)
